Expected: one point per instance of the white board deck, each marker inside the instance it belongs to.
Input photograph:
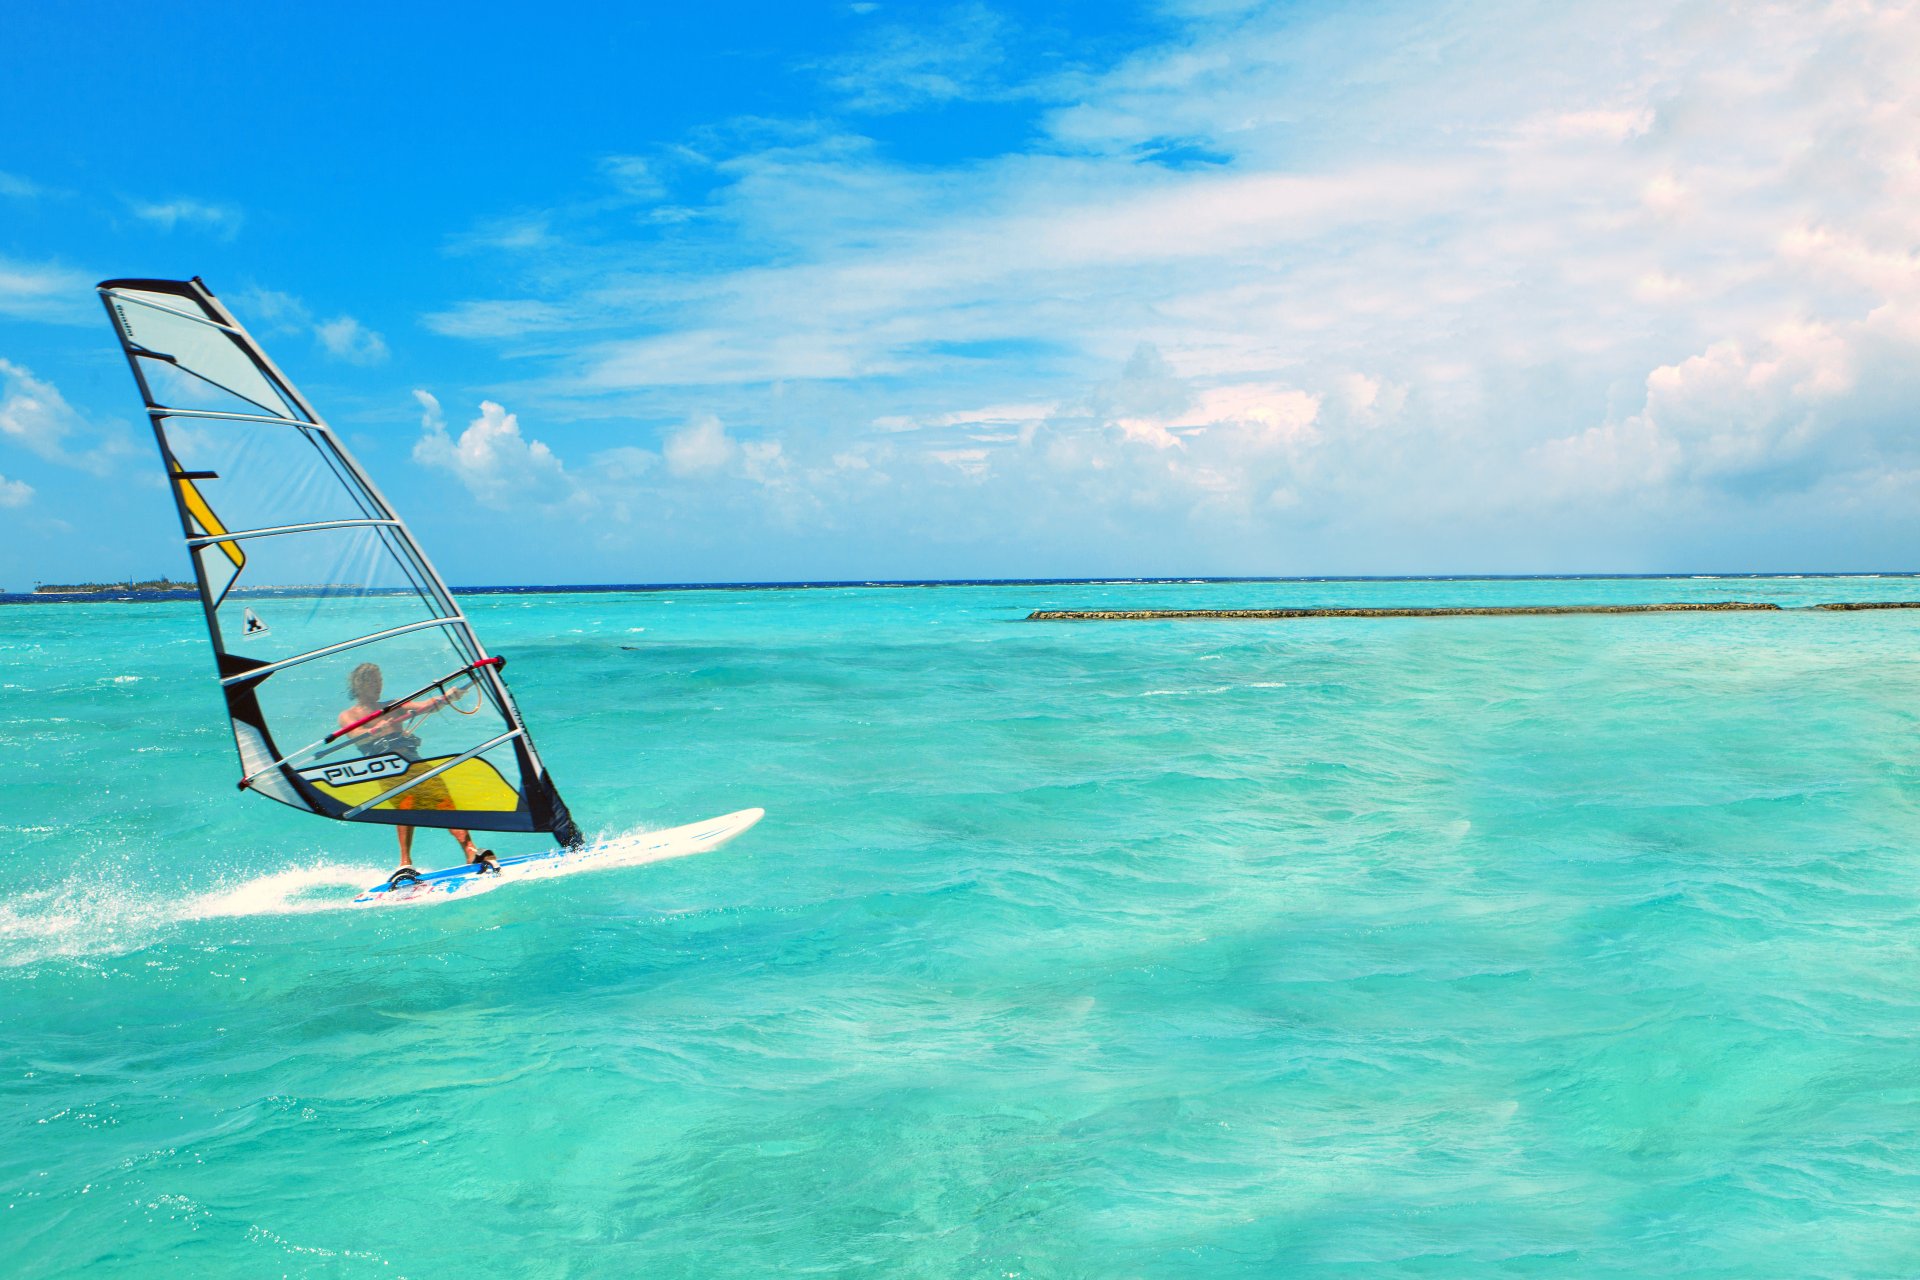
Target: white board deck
(623, 851)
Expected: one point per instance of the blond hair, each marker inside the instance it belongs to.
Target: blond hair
(363, 685)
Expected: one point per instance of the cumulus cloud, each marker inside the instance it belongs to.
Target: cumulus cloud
(500, 468)
(15, 493)
(702, 447)
(34, 416)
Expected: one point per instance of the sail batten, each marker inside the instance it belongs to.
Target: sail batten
(269, 668)
(317, 597)
(275, 530)
(218, 415)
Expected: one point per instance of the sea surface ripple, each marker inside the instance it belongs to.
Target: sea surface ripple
(1572, 946)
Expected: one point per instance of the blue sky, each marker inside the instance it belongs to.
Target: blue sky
(856, 290)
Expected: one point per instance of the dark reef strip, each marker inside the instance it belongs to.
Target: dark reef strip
(1848, 606)
(1461, 611)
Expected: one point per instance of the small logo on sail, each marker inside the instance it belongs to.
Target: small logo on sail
(255, 627)
(365, 769)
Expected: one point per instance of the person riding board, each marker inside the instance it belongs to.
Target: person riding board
(389, 734)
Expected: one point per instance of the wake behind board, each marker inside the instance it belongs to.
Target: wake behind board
(622, 851)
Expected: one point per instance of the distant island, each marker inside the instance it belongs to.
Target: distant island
(167, 586)
(101, 588)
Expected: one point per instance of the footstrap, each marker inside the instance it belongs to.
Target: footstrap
(405, 875)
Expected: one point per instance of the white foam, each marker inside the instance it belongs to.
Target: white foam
(90, 916)
(278, 892)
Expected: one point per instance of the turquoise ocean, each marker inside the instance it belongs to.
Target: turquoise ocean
(1561, 946)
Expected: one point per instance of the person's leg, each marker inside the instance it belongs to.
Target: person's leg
(475, 855)
(404, 874)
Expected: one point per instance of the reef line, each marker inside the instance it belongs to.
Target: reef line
(1454, 611)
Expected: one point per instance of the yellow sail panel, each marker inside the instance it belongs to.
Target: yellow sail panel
(220, 561)
(472, 786)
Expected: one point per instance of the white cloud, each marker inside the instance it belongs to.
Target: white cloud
(499, 467)
(635, 176)
(39, 291)
(18, 188)
(512, 234)
(623, 464)
(1585, 254)
(347, 339)
(702, 447)
(36, 417)
(222, 220)
(15, 493)
(495, 320)
(272, 311)
(959, 55)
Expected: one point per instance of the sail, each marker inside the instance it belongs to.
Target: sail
(355, 685)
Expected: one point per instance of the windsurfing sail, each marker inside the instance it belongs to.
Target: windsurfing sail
(355, 685)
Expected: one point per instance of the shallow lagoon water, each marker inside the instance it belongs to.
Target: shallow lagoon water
(1476, 946)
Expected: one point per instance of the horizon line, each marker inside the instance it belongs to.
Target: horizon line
(187, 590)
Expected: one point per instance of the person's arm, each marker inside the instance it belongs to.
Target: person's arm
(424, 705)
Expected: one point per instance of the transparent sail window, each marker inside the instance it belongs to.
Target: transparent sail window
(300, 592)
(265, 475)
(202, 350)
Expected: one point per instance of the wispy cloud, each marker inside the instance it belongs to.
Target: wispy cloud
(960, 54)
(15, 187)
(347, 339)
(42, 291)
(15, 493)
(504, 319)
(635, 176)
(520, 233)
(344, 338)
(221, 220)
(34, 416)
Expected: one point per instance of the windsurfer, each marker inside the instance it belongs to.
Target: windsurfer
(379, 729)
